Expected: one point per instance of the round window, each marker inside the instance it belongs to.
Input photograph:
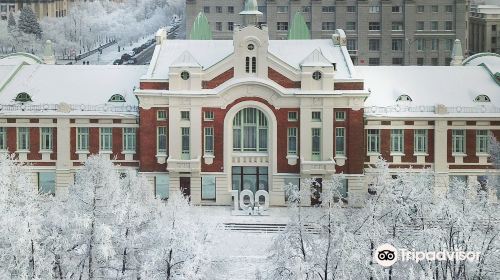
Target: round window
(317, 75)
(251, 47)
(185, 75)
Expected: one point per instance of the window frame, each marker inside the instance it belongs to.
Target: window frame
(129, 139)
(80, 135)
(397, 141)
(46, 132)
(185, 143)
(25, 146)
(482, 141)
(292, 133)
(259, 123)
(105, 135)
(160, 118)
(374, 26)
(208, 115)
(185, 115)
(340, 116)
(3, 138)
(43, 189)
(208, 146)
(203, 187)
(340, 135)
(159, 134)
(316, 153)
(373, 141)
(167, 184)
(421, 147)
(458, 141)
(293, 119)
(316, 116)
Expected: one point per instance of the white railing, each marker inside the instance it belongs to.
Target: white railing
(68, 108)
(438, 109)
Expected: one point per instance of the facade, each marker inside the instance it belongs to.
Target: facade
(393, 32)
(212, 117)
(51, 8)
(484, 31)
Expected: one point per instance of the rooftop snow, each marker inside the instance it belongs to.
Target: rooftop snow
(209, 52)
(74, 84)
(456, 86)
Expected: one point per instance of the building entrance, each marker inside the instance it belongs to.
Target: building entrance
(251, 178)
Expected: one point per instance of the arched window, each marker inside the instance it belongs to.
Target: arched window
(482, 98)
(404, 97)
(117, 98)
(23, 97)
(250, 131)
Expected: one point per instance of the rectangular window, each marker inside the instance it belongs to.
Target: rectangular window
(218, 9)
(208, 187)
(206, 9)
(397, 141)
(374, 44)
(435, 44)
(254, 64)
(420, 44)
(282, 9)
(458, 141)
(82, 138)
(351, 9)
(435, 8)
(482, 141)
(434, 61)
(106, 142)
(292, 183)
(129, 139)
(230, 26)
(185, 143)
(293, 116)
(397, 26)
(316, 144)
(420, 141)
(340, 115)
(434, 25)
(340, 141)
(328, 9)
(23, 138)
(161, 139)
(374, 61)
(161, 115)
(397, 61)
(328, 26)
(373, 141)
(352, 44)
(185, 115)
(350, 25)
(46, 138)
(230, 10)
(420, 25)
(449, 8)
(306, 9)
(209, 116)
(209, 140)
(374, 26)
(396, 9)
(3, 138)
(420, 9)
(374, 9)
(282, 26)
(397, 44)
(316, 116)
(448, 25)
(218, 26)
(292, 140)
(420, 61)
(47, 183)
(162, 186)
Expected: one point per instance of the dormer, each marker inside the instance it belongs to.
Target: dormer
(185, 73)
(250, 51)
(317, 72)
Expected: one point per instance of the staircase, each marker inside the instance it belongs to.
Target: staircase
(263, 228)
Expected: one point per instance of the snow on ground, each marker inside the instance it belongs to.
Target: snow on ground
(240, 254)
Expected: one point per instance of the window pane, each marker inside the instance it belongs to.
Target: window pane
(47, 182)
(162, 186)
(208, 187)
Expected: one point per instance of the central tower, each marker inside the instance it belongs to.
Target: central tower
(251, 13)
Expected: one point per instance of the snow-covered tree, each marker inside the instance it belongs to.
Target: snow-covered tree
(183, 241)
(28, 22)
(11, 22)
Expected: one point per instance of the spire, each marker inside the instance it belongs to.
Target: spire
(251, 12)
(457, 56)
(201, 28)
(299, 30)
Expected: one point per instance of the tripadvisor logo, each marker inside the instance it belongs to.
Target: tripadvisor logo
(386, 255)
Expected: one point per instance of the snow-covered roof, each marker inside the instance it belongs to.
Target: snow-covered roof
(17, 58)
(455, 87)
(207, 53)
(491, 60)
(83, 86)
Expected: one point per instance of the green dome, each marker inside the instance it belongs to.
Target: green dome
(299, 30)
(201, 29)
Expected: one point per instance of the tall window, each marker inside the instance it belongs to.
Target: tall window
(397, 141)
(482, 141)
(292, 140)
(458, 141)
(129, 139)
(161, 139)
(47, 183)
(106, 138)
(397, 44)
(254, 64)
(340, 141)
(208, 187)
(373, 141)
(46, 139)
(82, 138)
(374, 44)
(3, 138)
(23, 138)
(250, 131)
(209, 140)
(185, 143)
(162, 186)
(251, 64)
(420, 139)
(316, 144)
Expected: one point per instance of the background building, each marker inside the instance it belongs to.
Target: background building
(393, 32)
(484, 29)
(49, 8)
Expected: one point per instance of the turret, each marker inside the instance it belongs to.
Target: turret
(251, 13)
(457, 56)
